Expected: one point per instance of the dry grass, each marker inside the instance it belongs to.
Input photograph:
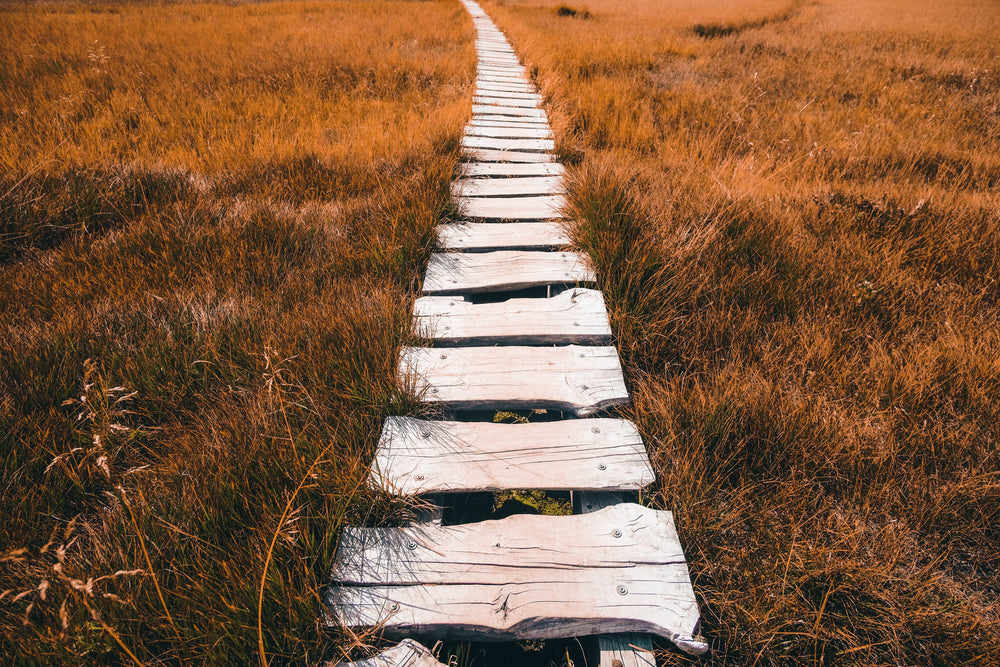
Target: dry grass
(212, 219)
(794, 210)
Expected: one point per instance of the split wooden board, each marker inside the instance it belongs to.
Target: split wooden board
(406, 653)
(574, 378)
(508, 132)
(508, 144)
(503, 271)
(525, 577)
(417, 456)
(544, 207)
(507, 111)
(489, 155)
(469, 169)
(574, 316)
(486, 236)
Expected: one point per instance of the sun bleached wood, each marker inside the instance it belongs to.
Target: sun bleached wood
(407, 653)
(489, 155)
(508, 144)
(483, 236)
(507, 187)
(417, 456)
(501, 99)
(524, 577)
(533, 97)
(572, 377)
(493, 110)
(544, 207)
(508, 132)
(512, 123)
(574, 316)
(503, 271)
(500, 169)
(506, 88)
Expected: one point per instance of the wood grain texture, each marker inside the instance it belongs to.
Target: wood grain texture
(513, 123)
(506, 87)
(544, 207)
(506, 100)
(407, 653)
(488, 155)
(485, 236)
(509, 132)
(508, 144)
(416, 456)
(574, 316)
(572, 378)
(507, 111)
(506, 187)
(503, 271)
(500, 169)
(524, 577)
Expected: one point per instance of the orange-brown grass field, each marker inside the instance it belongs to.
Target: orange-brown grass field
(214, 217)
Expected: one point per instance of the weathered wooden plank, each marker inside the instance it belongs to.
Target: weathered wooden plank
(503, 271)
(508, 132)
(507, 87)
(512, 95)
(481, 236)
(407, 653)
(493, 110)
(519, 185)
(502, 78)
(490, 155)
(575, 316)
(524, 577)
(505, 101)
(512, 123)
(416, 456)
(500, 169)
(577, 378)
(544, 207)
(508, 144)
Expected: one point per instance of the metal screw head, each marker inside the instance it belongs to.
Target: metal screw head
(434, 390)
(622, 589)
(595, 430)
(601, 466)
(394, 607)
(411, 545)
(586, 386)
(419, 478)
(576, 324)
(616, 533)
(426, 434)
(444, 356)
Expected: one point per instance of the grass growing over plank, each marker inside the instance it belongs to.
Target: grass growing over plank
(212, 221)
(793, 211)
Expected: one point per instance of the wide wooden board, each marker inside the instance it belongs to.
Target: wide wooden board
(507, 187)
(493, 110)
(509, 132)
(513, 123)
(503, 271)
(544, 207)
(483, 236)
(505, 100)
(576, 315)
(524, 577)
(417, 456)
(574, 378)
(503, 170)
(506, 88)
(407, 653)
(489, 155)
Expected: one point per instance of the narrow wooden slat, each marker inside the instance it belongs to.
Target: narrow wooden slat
(508, 144)
(509, 132)
(507, 87)
(510, 169)
(513, 123)
(503, 271)
(513, 95)
(482, 236)
(546, 207)
(490, 187)
(407, 653)
(416, 456)
(524, 577)
(576, 378)
(504, 100)
(575, 316)
(490, 155)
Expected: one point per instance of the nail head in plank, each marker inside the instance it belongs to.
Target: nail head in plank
(575, 316)
(503, 271)
(545, 207)
(407, 653)
(508, 187)
(577, 378)
(618, 570)
(485, 236)
(417, 456)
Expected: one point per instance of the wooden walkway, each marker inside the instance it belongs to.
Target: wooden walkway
(511, 321)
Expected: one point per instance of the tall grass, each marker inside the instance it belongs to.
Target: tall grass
(212, 220)
(793, 211)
